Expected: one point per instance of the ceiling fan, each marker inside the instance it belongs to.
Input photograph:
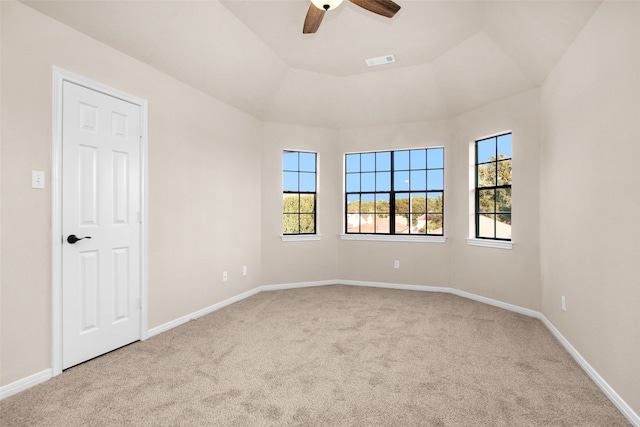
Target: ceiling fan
(317, 8)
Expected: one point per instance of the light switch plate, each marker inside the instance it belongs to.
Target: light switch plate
(37, 179)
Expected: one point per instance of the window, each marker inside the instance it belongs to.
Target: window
(493, 188)
(395, 192)
(298, 192)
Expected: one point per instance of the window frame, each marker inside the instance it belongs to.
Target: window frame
(392, 192)
(300, 235)
(491, 241)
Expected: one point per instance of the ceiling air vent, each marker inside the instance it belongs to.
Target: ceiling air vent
(387, 59)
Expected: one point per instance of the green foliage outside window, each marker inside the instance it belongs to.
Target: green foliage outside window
(299, 182)
(493, 187)
(395, 192)
(420, 206)
(299, 214)
(495, 200)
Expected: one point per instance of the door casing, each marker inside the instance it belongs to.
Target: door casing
(60, 76)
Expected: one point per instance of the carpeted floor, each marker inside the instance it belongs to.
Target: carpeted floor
(330, 356)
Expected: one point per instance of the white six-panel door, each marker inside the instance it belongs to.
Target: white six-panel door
(101, 203)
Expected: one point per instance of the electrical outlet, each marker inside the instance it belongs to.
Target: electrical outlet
(225, 276)
(244, 270)
(396, 264)
(37, 179)
(564, 303)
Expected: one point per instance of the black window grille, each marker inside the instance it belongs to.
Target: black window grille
(493, 187)
(395, 192)
(299, 182)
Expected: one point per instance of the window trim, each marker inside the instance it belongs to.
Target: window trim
(414, 238)
(299, 236)
(490, 243)
(391, 193)
(476, 239)
(307, 237)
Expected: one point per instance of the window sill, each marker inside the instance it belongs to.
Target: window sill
(396, 238)
(300, 237)
(486, 243)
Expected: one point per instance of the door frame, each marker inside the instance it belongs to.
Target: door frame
(59, 77)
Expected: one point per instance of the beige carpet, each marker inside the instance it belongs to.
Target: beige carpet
(330, 356)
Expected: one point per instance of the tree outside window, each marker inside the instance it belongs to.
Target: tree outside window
(395, 192)
(493, 188)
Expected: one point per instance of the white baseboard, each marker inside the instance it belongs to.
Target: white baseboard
(298, 285)
(25, 383)
(496, 303)
(464, 294)
(622, 406)
(184, 319)
(202, 312)
(394, 286)
(627, 411)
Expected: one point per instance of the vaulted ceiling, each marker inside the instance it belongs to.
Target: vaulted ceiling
(452, 56)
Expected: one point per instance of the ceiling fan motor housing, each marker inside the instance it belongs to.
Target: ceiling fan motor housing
(326, 4)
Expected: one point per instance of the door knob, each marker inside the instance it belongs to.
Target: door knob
(73, 238)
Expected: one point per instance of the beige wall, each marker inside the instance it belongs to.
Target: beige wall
(204, 185)
(215, 202)
(454, 263)
(299, 261)
(590, 196)
(420, 263)
(506, 275)
(204, 202)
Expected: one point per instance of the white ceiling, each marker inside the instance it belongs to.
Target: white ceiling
(452, 56)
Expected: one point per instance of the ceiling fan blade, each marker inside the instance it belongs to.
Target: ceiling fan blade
(381, 7)
(313, 19)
